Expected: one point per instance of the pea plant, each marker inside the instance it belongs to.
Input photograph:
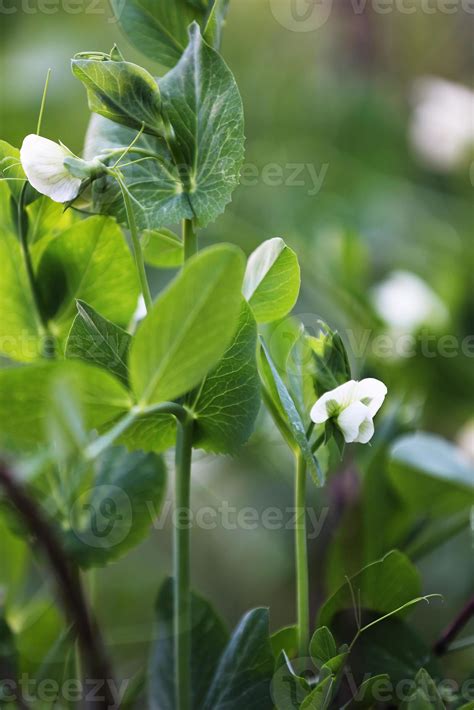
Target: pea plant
(101, 377)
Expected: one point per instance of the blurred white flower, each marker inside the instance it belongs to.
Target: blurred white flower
(465, 439)
(442, 128)
(406, 302)
(43, 163)
(352, 406)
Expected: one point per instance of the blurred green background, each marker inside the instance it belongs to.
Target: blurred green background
(339, 104)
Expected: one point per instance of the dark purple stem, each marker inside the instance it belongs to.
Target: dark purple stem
(454, 629)
(69, 587)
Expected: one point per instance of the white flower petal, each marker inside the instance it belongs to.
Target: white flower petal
(366, 431)
(342, 395)
(351, 419)
(371, 392)
(43, 163)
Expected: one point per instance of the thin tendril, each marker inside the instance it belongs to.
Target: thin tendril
(43, 103)
(129, 147)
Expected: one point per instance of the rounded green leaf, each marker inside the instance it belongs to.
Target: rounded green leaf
(159, 29)
(189, 327)
(272, 280)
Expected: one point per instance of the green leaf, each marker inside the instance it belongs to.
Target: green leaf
(391, 648)
(431, 475)
(277, 391)
(97, 340)
(322, 646)
(245, 670)
(25, 398)
(285, 639)
(150, 432)
(366, 695)
(382, 587)
(20, 329)
(89, 262)
(196, 177)
(320, 698)
(11, 169)
(46, 221)
(162, 248)
(208, 641)
(117, 512)
(158, 29)
(288, 688)
(228, 401)
(215, 22)
(272, 280)
(331, 360)
(426, 695)
(122, 92)
(189, 327)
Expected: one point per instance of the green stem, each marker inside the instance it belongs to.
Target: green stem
(137, 249)
(302, 578)
(182, 595)
(48, 346)
(189, 239)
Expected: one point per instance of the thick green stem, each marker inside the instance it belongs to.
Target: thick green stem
(137, 249)
(302, 579)
(189, 239)
(182, 596)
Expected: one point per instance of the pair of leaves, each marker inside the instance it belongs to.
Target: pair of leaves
(159, 29)
(226, 674)
(195, 173)
(182, 339)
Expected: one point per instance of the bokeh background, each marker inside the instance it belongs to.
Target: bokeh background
(371, 113)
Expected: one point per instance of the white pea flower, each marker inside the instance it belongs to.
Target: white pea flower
(43, 163)
(406, 303)
(53, 170)
(442, 130)
(353, 406)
